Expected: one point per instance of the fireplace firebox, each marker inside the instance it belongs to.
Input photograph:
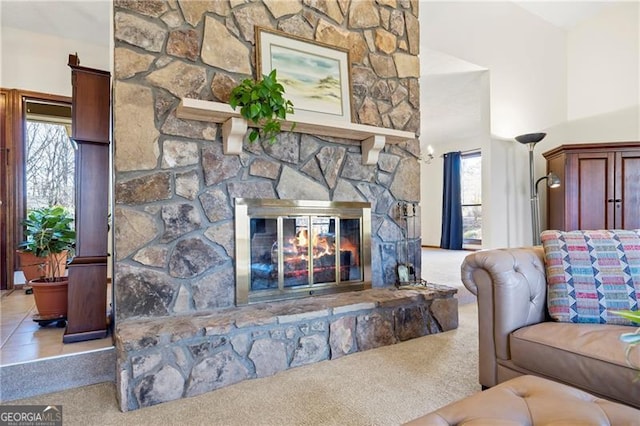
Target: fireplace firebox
(293, 248)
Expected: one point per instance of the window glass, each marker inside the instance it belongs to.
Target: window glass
(50, 157)
(472, 198)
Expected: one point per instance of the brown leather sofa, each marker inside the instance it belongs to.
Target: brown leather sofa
(516, 336)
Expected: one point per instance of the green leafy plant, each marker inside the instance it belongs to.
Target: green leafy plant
(631, 339)
(262, 103)
(49, 234)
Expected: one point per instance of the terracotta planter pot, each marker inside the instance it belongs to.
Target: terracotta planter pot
(34, 267)
(31, 265)
(51, 297)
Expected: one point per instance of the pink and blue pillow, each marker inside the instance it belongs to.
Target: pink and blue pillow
(590, 273)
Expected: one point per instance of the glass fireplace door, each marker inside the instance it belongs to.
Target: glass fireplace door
(295, 251)
(303, 251)
(296, 255)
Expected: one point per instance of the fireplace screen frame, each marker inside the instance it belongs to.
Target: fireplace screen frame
(249, 208)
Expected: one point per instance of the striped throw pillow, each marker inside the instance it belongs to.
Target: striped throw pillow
(591, 272)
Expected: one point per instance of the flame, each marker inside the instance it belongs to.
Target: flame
(302, 238)
(322, 245)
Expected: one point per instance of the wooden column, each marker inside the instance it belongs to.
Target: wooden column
(87, 312)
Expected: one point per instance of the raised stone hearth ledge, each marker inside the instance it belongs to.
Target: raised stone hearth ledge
(234, 128)
(163, 359)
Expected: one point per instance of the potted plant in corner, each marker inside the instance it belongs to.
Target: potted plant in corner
(263, 104)
(51, 238)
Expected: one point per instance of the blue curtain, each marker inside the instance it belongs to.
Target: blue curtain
(451, 203)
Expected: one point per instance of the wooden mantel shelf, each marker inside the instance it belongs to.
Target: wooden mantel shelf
(234, 128)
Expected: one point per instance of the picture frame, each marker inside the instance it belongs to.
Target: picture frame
(316, 76)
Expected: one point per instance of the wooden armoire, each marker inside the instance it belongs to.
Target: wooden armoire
(600, 186)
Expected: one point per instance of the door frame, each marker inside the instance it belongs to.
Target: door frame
(12, 144)
(6, 200)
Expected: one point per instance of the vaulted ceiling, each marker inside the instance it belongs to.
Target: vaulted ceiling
(89, 20)
(76, 20)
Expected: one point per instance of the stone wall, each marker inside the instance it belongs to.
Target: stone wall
(174, 189)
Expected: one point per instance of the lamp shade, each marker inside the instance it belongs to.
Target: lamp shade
(553, 181)
(531, 138)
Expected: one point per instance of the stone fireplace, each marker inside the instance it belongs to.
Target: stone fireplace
(181, 328)
(295, 248)
(174, 218)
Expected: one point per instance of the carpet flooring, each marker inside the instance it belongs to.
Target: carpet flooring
(443, 267)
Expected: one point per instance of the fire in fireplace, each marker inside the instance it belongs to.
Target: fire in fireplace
(287, 249)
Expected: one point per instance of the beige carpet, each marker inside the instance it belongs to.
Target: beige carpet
(443, 267)
(384, 386)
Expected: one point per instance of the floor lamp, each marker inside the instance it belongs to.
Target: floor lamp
(531, 139)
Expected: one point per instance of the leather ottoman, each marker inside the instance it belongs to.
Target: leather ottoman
(531, 400)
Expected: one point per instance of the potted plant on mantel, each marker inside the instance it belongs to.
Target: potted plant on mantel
(262, 103)
(51, 238)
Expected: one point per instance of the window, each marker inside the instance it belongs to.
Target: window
(24, 115)
(50, 157)
(471, 187)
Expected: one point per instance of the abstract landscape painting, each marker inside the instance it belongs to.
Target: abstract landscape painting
(315, 76)
(311, 82)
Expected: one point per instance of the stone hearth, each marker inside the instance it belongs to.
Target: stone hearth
(170, 358)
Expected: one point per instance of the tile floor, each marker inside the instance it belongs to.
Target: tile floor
(23, 340)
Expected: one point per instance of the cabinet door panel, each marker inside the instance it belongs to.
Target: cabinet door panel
(600, 188)
(593, 182)
(629, 190)
(91, 119)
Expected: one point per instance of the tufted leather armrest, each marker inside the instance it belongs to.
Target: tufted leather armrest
(511, 288)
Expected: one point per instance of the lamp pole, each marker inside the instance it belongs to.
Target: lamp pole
(533, 198)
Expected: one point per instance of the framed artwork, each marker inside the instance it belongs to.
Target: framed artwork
(316, 77)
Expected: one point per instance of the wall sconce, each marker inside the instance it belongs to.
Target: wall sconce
(428, 158)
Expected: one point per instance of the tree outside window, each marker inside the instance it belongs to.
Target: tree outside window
(50, 164)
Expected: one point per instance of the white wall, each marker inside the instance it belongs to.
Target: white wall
(603, 63)
(38, 62)
(526, 62)
(454, 117)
